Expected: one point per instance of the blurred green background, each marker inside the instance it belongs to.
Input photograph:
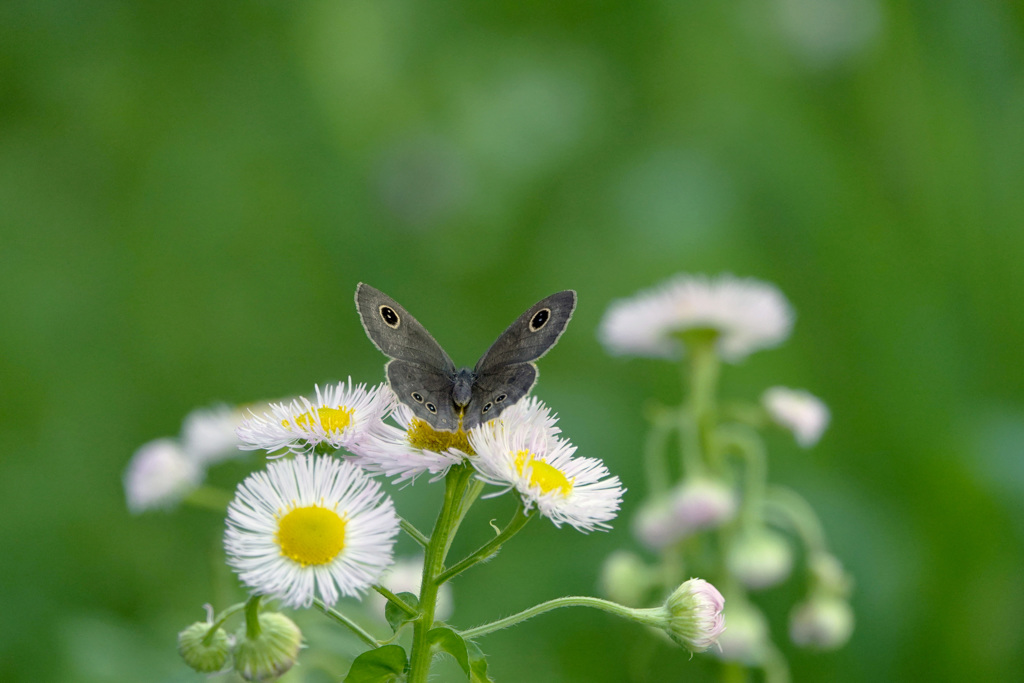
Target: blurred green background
(190, 191)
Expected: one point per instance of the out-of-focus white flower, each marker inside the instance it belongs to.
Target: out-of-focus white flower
(798, 411)
(208, 434)
(310, 527)
(700, 503)
(744, 314)
(160, 475)
(340, 416)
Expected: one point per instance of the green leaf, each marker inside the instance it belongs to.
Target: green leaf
(385, 664)
(395, 615)
(444, 639)
(477, 664)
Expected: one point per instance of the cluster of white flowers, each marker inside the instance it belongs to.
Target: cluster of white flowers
(164, 471)
(309, 528)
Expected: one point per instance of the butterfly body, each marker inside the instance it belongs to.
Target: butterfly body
(424, 377)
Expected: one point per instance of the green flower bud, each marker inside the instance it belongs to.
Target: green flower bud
(760, 559)
(746, 639)
(823, 623)
(205, 655)
(626, 579)
(272, 652)
(694, 615)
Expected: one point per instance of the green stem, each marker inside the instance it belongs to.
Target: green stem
(397, 601)
(219, 622)
(704, 367)
(655, 465)
(654, 616)
(415, 533)
(746, 442)
(470, 492)
(433, 563)
(345, 621)
(518, 521)
(785, 506)
(252, 617)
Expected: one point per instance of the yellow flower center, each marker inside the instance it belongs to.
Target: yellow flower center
(422, 435)
(331, 419)
(311, 535)
(547, 477)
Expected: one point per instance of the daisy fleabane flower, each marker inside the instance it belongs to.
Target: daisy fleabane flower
(310, 527)
(745, 315)
(799, 411)
(410, 449)
(160, 475)
(339, 416)
(516, 451)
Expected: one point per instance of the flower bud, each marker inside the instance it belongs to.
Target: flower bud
(760, 559)
(204, 657)
(746, 639)
(655, 526)
(695, 618)
(626, 579)
(272, 652)
(798, 411)
(828, 576)
(823, 623)
(700, 503)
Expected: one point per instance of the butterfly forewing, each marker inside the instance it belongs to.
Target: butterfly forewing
(396, 333)
(532, 334)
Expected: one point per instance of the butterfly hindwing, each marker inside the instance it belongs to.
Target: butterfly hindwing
(496, 390)
(531, 335)
(396, 333)
(426, 391)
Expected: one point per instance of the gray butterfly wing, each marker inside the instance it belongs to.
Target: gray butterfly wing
(421, 374)
(531, 335)
(396, 333)
(505, 371)
(427, 391)
(497, 390)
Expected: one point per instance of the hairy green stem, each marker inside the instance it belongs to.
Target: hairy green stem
(783, 505)
(747, 444)
(433, 563)
(518, 521)
(397, 601)
(652, 617)
(345, 621)
(252, 617)
(415, 533)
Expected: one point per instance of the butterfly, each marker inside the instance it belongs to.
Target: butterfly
(424, 377)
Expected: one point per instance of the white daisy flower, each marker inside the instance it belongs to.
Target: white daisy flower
(541, 468)
(159, 475)
(410, 449)
(414, 447)
(339, 416)
(745, 314)
(799, 411)
(208, 434)
(310, 527)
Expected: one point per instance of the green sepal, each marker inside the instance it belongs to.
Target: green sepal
(477, 664)
(443, 639)
(395, 615)
(385, 664)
